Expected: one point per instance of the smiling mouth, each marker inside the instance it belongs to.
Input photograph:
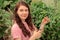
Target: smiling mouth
(23, 16)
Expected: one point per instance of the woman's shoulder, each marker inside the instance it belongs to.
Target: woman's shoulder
(14, 27)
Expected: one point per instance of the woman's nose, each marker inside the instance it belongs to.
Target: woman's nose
(24, 12)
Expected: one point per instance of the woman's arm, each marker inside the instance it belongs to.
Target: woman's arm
(37, 34)
(44, 22)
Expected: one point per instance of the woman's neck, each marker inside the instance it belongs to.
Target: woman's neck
(23, 20)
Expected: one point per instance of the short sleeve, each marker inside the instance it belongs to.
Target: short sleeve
(15, 32)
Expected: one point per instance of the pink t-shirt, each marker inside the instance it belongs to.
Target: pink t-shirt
(16, 32)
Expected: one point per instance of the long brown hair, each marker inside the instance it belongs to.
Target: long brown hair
(28, 19)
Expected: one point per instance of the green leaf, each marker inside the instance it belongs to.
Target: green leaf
(6, 3)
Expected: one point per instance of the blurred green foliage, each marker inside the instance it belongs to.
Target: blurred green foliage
(38, 11)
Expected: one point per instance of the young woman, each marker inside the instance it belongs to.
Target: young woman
(23, 28)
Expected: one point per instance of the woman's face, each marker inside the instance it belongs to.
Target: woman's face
(22, 12)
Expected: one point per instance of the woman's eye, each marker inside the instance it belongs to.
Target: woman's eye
(21, 10)
(26, 10)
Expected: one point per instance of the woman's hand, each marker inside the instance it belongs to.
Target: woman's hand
(36, 35)
(45, 20)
